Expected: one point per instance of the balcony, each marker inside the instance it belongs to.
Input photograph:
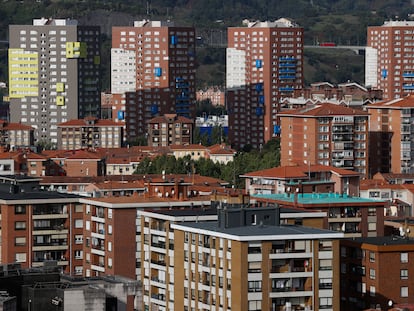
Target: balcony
(287, 59)
(408, 86)
(286, 89)
(158, 262)
(282, 71)
(287, 77)
(287, 65)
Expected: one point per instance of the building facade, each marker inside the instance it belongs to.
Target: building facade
(264, 64)
(304, 178)
(248, 261)
(376, 271)
(53, 74)
(15, 135)
(89, 133)
(355, 217)
(388, 61)
(38, 227)
(326, 134)
(170, 129)
(153, 71)
(392, 136)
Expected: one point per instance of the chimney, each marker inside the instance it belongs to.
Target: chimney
(295, 199)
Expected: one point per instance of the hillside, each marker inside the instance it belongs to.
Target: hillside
(339, 21)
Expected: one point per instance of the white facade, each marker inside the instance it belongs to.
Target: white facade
(235, 68)
(371, 67)
(123, 71)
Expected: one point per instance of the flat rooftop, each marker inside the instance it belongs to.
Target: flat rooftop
(37, 195)
(315, 198)
(385, 240)
(258, 232)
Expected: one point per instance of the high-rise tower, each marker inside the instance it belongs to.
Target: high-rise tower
(53, 74)
(389, 61)
(264, 64)
(152, 73)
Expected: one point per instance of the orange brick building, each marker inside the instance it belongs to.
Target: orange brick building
(326, 134)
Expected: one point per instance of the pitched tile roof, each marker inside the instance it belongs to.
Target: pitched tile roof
(324, 109)
(83, 123)
(404, 102)
(170, 118)
(299, 171)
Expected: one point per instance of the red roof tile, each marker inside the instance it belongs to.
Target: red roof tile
(398, 103)
(298, 171)
(82, 123)
(325, 109)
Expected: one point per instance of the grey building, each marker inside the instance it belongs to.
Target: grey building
(53, 74)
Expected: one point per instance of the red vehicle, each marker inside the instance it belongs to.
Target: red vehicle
(327, 44)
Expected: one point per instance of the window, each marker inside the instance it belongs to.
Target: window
(404, 291)
(404, 257)
(78, 223)
(325, 302)
(78, 239)
(20, 209)
(255, 305)
(325, 264)
(371, 256)
(372, 291)
(255, 267)
(78, 254)
(78, 208)
(253, 219)
(20, 225)
(372, 274)
(20, 241)
(20, 257)
(325, 283)
(78, 270)
(343, 251)
(255, 286)
(404, 274)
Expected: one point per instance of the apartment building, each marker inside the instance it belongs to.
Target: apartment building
(376, 271)
(392, 136)
(38, 227)
(170, 129)
(246, 260)
(350, 94)
(112, 225)
(89, 132)
(53, 74)
(326, 134)
(354, 216)
(152, 74)
(216, 95)
(400, 197)
(264, 64)
(388, 58)
(302, 178)
(158, 249)
(15, 135)
(47, 289)
(162, 248)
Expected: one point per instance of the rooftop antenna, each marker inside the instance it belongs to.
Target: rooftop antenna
(148, 8)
